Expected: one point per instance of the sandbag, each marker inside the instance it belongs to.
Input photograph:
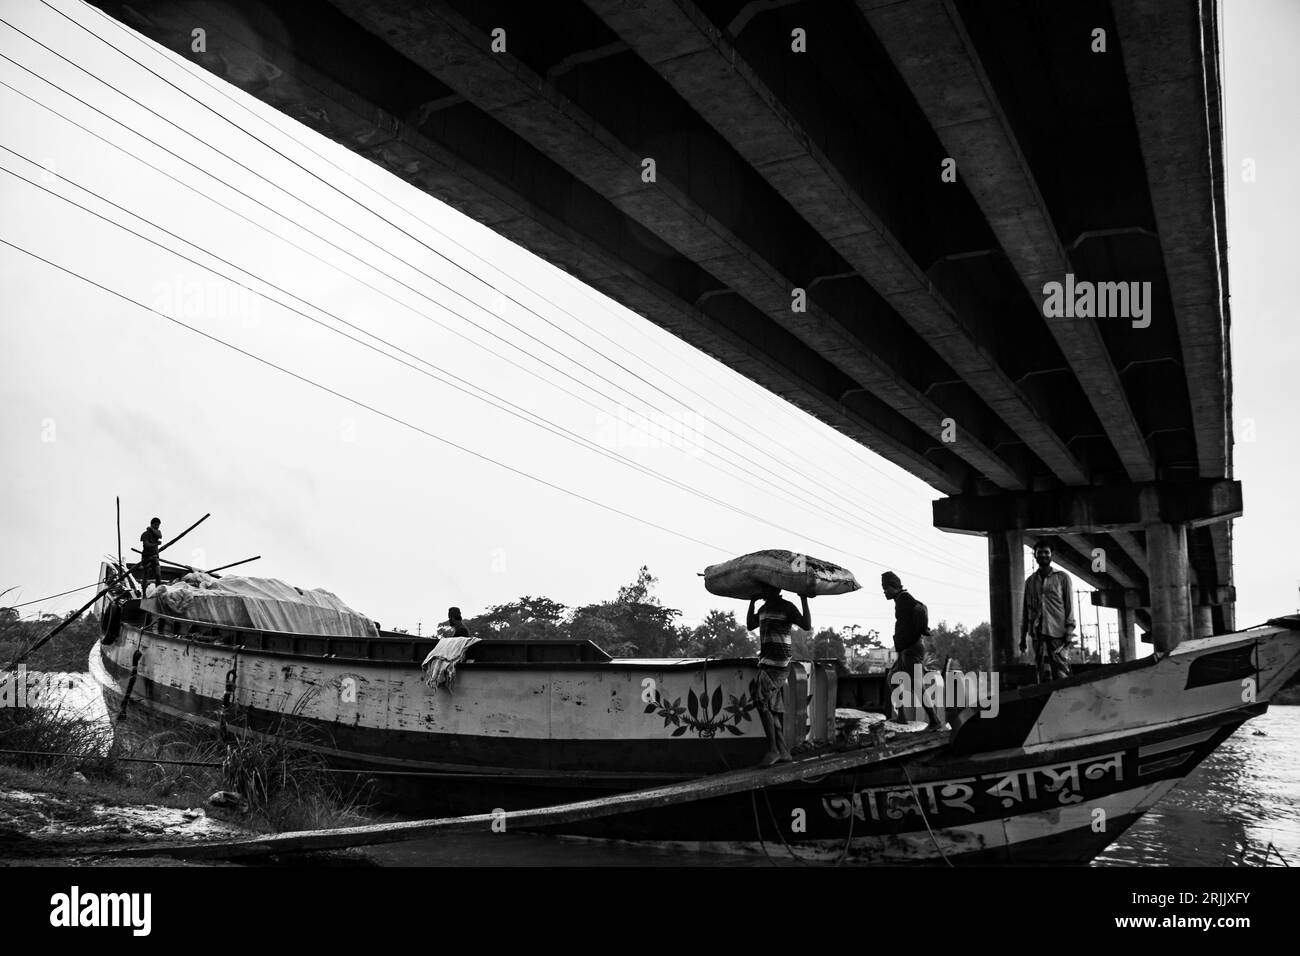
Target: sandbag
(745, 576)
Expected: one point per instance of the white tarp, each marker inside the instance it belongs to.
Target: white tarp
(264, 603)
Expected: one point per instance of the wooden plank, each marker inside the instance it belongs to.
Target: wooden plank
(703, 788)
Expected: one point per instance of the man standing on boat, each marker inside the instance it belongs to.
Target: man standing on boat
(1048, 616)
(773, 622)
(149, 542)
(911, 625)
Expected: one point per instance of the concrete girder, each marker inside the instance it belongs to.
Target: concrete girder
(1084, 548)
(293, 86)
(256, 64)
(1130, 546)
(682, 45)
(1162, 44)
(931, 51)
(1103, 508)
(439, 40)
(1133, 598)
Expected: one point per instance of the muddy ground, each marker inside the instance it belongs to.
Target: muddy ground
(47, 821)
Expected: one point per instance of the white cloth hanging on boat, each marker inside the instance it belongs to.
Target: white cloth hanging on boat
(440, 664)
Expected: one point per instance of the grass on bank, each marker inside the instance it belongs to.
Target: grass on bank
(284, 786)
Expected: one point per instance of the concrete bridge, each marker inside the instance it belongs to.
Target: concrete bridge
(863, 207)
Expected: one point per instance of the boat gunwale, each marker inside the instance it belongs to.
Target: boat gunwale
(620, 664)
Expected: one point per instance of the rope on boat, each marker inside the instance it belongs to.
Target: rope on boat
(130, 684)
(753, 803)
(924, 818)
(228, 698)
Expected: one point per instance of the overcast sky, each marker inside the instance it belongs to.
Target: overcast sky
(100, 397)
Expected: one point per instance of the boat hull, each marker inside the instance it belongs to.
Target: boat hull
(1058, 775)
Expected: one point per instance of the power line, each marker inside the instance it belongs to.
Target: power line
(370, 408)
(513, 409)
(84, 587)
(190, 70)
(335, 245)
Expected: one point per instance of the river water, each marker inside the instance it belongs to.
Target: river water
(1242, 799)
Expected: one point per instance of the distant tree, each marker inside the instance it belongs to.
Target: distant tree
(68, 651)
(721, 635)
(825, 643)
(966, 650)
(529, 618)
(634, 624)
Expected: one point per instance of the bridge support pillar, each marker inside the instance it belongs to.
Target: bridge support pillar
(1171, 597)
(1203, 620)
(1127, 635)
(1006, 595)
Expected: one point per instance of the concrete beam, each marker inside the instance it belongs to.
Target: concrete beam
(1130, 599)
(1084, 548)
(440, 40)
(256, 63)
(931, 50)
(1110, 507)
(1169, 65)
(1130, 545)
(691, 54)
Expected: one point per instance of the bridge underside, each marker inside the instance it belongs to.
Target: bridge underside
(1085, 140)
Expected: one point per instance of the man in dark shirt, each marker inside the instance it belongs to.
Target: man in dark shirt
(458, 628)
(773, 621)
(149, 542)
(911, 625)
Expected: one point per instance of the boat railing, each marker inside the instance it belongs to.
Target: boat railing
(385, 648)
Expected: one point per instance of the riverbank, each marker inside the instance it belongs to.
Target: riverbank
(74, 783)
(47, 821)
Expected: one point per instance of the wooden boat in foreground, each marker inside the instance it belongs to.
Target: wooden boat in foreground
(1055, 777)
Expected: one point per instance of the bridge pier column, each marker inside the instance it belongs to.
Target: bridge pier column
(1127, 635)
(1006, 595)
(1171, 596)
(1203, 620)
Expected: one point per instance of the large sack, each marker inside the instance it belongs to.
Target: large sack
(745, 576)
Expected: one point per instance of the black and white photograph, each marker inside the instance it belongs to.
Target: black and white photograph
(684, 436)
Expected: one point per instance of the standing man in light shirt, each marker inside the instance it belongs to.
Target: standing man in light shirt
(773, 622)
(1048, 616)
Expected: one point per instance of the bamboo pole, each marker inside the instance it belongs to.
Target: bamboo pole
(119, 529)
(233, 564)
(723, 784)
(46, 639)
(184, 533)
(212, 571)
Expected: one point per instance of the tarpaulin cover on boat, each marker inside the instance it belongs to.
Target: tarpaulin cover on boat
(264, 603)
(745, 576)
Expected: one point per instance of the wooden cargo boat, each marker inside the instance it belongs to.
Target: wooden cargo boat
(1055, 777)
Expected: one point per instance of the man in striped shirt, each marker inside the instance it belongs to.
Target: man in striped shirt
(773, 622)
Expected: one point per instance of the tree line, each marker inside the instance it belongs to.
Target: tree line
(635, 623)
